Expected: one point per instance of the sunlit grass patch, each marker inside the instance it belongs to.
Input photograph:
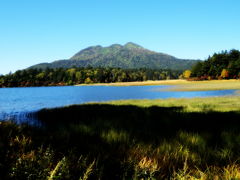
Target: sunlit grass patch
(221, 104)
(113, 136)
(82, 128)
(230, 172)
(205, 85)
(192, 140)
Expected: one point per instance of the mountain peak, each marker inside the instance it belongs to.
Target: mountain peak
(131, 45)
(87, 52)
(116, 46)
(127, 56)
(93, 48)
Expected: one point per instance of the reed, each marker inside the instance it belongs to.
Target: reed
(158, 139)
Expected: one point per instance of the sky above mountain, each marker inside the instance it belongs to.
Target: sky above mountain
(32, 32)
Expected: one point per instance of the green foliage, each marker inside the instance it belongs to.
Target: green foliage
(40, 76)
(222, 65)
(34, 164)
(1, 80)
(128, 56)
(49, 77)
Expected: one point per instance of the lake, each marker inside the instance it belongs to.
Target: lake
(17, 102)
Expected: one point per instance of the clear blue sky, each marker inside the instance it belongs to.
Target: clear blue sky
(45, 30)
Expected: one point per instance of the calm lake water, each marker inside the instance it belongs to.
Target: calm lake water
(19, 101)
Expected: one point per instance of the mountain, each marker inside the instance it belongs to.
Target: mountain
(125, 56)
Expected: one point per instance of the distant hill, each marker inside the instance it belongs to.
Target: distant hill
(125, 56)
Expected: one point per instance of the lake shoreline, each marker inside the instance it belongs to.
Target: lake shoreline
(176, 84)
(17, 100)
(139, 83)
(180, 84)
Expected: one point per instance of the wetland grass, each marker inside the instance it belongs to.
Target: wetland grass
(134, 139)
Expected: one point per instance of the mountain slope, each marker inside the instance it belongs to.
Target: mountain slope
(128, 56)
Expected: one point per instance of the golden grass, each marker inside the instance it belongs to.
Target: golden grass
(205, 85)
(140, 83)
(180, 85)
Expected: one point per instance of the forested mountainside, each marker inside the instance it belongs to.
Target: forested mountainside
(126, 56)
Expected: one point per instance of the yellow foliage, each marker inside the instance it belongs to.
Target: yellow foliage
(187, 74)
(88, 81)
(224, 73)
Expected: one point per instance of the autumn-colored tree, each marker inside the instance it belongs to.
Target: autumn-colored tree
(224, 74)
(187, 74)
(88, 80)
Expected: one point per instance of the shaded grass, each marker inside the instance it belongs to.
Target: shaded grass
(144, 139)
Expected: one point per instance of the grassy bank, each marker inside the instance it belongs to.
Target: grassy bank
(139, 83)
(207, 85)
(144, 139)
(219, 104)
(180, 85)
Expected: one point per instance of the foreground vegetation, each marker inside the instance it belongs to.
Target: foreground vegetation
(133, 139)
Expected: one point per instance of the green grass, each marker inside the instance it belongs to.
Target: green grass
(205, 85)
(220, 104)
(132, 140)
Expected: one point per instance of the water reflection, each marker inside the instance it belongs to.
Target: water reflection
(28, 118)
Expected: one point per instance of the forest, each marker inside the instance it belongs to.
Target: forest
(88, 75)
(223, 65)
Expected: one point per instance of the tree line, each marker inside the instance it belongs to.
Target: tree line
(223, 65)
(88, 75)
